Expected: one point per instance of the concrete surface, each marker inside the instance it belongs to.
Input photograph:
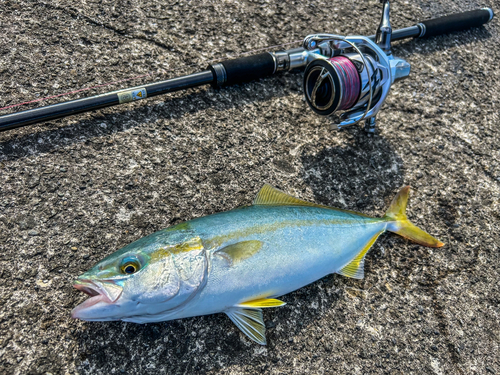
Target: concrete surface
(77, 189)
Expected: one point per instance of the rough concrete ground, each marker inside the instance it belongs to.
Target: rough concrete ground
(77, 189)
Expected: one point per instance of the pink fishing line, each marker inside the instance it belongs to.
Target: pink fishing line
(350, 81)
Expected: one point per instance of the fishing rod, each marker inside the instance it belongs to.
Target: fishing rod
(349, 75)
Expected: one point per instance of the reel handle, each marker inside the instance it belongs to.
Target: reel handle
(455, 22)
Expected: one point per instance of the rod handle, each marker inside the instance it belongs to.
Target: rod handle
(243, 69)
(455, 22)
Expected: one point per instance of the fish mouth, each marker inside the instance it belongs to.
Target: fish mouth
(99, 291)
(87, 288)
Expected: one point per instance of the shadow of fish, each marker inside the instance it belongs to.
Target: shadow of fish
(237, 262)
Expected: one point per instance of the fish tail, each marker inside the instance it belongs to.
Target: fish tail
(399, 223)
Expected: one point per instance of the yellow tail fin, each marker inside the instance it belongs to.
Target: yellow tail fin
(399, 223)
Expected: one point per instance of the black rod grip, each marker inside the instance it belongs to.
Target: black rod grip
(245, 69)
(456, 22)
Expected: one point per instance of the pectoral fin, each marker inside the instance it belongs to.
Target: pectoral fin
(250, 322)
(356, 267)
(239, 251)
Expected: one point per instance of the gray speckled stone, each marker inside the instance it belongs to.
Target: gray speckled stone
(90, 184)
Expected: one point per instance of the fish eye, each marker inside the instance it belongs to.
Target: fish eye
(129, 266)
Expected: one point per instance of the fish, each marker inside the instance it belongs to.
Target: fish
(237, 262)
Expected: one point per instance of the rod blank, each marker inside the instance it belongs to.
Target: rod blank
(55, 111)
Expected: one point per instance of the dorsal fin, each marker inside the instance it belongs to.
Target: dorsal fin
(270, 196)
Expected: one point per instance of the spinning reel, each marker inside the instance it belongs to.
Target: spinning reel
(352, 74)
(349, 75)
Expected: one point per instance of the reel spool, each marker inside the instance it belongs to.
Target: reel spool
(340, 83)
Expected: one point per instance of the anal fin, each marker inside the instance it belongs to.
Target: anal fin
(356, 267)
(250, 322)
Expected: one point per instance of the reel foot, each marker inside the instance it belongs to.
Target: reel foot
(370, 125)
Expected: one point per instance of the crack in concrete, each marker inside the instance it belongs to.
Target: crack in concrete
(438, 311)
(75, 14)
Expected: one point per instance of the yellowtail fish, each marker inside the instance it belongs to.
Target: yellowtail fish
(237, 262)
